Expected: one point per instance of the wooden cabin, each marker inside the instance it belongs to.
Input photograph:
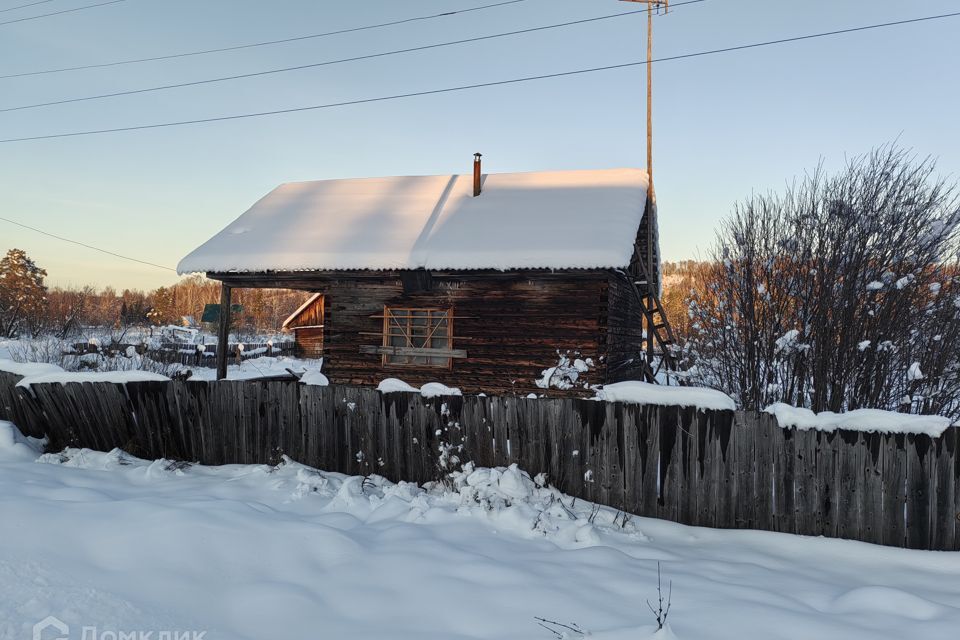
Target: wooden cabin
(306, 323)
(482, 284)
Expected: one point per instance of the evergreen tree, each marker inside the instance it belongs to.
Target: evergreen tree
(23, 296)
(164, 309)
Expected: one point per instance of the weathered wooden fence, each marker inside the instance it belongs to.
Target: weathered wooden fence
(191, 355)
(712, 468)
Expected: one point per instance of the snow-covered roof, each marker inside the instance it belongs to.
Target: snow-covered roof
(301, 309)
(550, 219)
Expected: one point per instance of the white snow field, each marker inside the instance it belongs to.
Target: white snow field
(241, 552)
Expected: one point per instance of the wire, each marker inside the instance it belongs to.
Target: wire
(57, 13)
(24, 6)
(473, 86)
(109, 253)
(273, 42)
(318, 64)
(261, 44)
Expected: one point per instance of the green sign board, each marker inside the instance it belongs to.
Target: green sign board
(211, 312)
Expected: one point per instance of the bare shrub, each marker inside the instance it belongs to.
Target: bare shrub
(841, 293)
(48, 350)
(661, 612)
(54, 351)
(567, 630)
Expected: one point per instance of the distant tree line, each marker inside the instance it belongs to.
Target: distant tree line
(30, 309)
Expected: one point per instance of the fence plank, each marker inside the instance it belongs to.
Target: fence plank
(745, 468)
(8, 382)
(871, 497)
(624, 433)
(394, 429)
(27, 413)
(58, 423)
(726, 460)
(208, 405)
(708, 503)
(499, 416)
(483, 432)
(373, 444)
(169, 404)
(529, 439)
(593, 419)
(150, 405)
(919, 449)
(410, 441)
(632, 460)
(292, 443)
(670, 463)
(956, 486)
(783, 443)
(321, 426)
(850, 474)
(894, 489)
(944, 513)
(553, 432)
(18, 406)
(573, 438)
(689, 475)
(69, 397)
(762, 427)
(805, 481)
(826, 466)
(648, 438)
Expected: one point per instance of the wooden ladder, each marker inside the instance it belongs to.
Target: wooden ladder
(659, 332)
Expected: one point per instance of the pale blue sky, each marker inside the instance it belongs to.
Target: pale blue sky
(726, 125)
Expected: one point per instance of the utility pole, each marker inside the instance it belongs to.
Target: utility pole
(646, 281)
(651, 5)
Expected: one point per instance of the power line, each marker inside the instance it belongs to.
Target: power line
(477, 85)
(301, 67)
(24, 6)
(57, 13)
(262, 44)
(82, 244)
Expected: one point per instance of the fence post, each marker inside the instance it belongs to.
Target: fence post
(223, 332)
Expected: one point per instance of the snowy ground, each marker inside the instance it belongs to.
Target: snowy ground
(262, 367)
(108, 541)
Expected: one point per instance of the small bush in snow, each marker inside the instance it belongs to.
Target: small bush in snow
(661, 612)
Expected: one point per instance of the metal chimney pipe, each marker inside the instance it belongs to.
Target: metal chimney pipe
(476, 174)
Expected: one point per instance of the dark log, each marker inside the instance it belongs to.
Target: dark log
(223, 331)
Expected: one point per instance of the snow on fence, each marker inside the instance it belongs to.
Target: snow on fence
(190, 355)
(708, 468)
(195, 355)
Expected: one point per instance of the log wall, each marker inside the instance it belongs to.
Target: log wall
(309, 342)
(512, 325)
(624, 331)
